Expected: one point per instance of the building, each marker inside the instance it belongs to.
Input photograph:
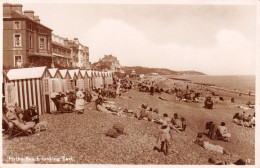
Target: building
(109, 62)
(26, 42)
(61, 52)
(79, 54)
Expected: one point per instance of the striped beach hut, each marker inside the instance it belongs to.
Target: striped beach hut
(25, 87)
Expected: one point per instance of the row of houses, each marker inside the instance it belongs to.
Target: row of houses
(29, 43)
(34, 86)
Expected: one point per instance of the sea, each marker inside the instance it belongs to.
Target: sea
(240, 83)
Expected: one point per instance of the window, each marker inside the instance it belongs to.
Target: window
(41, 45)
(18, 61)
(31, 42)
(17, 40)
(29, 26)
(17, 25)
(46, 86)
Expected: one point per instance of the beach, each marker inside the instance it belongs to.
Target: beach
(82, 137)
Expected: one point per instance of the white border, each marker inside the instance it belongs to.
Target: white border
(188, 2)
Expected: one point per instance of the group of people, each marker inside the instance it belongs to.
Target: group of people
(70, 101)
(218, 132)
(244, 120)
(23, 119)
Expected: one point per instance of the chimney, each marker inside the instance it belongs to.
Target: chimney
(37, 19)
(66, 41)
(7, 10)
(17, 7)
(29, 13)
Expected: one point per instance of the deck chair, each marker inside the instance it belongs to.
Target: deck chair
(62, 106)
(16, 130)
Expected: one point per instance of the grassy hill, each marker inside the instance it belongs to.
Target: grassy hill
(160, 71)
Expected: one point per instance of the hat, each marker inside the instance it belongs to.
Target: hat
(32, 106)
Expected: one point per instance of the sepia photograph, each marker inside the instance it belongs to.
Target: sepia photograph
(130, 83)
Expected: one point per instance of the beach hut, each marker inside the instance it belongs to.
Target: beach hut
(55, 86)
(65, 80)
(5, 80)
(79, 80)
(73, 78)
(27, 86)
(94, 79)
(104, 79)
(87, 76)
(89, 79)
(99, 81)
(55, 80)
(109, 78)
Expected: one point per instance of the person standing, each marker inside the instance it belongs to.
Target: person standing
(152, 88)
(118, 88)
(80, 103)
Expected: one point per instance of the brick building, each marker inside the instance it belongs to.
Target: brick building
(61, 51)
(26, 42)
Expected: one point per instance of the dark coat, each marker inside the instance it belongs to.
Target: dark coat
(29, 114)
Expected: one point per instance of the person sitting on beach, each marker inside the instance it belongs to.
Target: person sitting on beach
(232, 100)
(222, 130)
(205, 144)
(18, 110)
(100, 106)
(144, 113)
(12, 119)
(239, 118)
(178, 122)
(208, 103)
(224, 162)
(31, 115)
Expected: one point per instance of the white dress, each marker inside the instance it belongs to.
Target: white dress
(80, 103)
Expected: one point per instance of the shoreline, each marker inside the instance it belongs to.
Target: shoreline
(212, 86)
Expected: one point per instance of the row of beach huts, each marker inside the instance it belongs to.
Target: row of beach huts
(35, 86)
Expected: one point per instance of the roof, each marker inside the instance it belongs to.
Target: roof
(63, 72)
(53, 72)
(72, 73)
(100, 74)
(83, 72)
(26, 17)
(89, 73)
(26, 73)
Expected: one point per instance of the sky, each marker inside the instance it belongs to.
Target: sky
(213, 39)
